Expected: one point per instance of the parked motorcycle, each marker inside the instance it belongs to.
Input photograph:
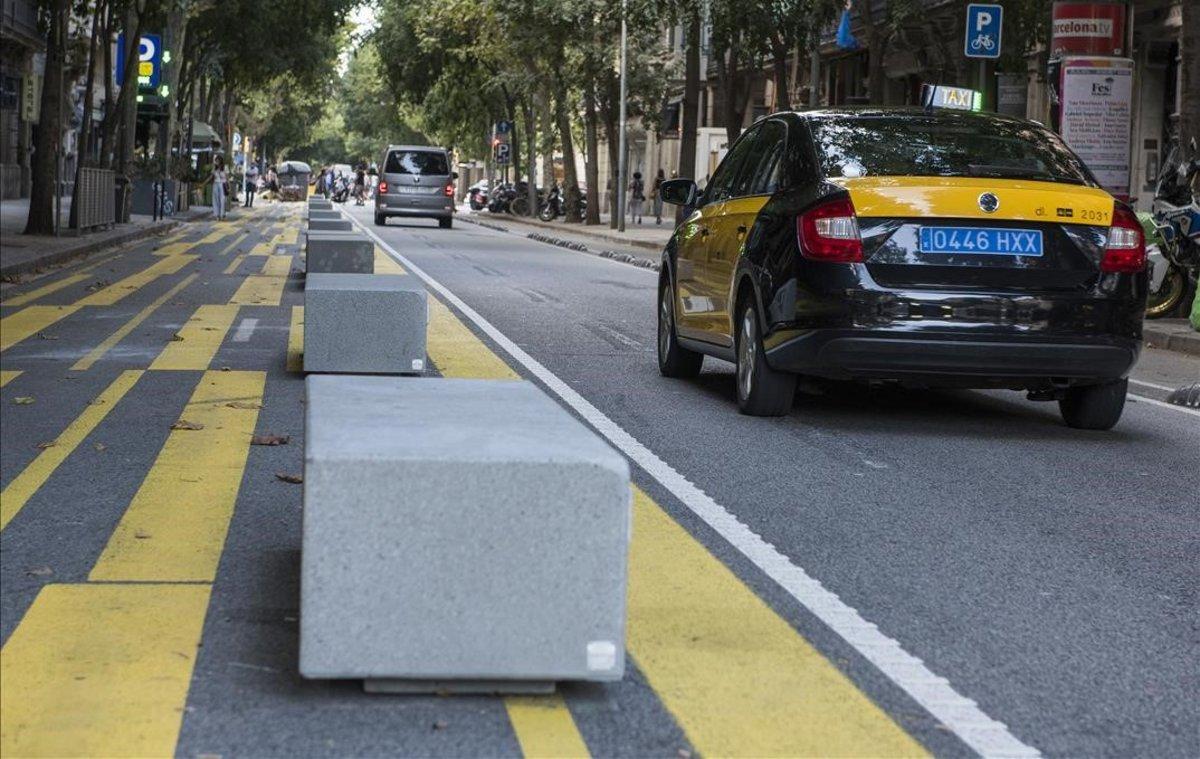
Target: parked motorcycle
(556, 205)
(477, 196)
(1173, 233)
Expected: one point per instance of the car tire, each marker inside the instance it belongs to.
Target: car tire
(1094, 407)
(674, 360)
(761, 390)
(446, 223)
(380, 220)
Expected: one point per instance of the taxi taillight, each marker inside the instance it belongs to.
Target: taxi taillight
(1126, 249)
(829, 232)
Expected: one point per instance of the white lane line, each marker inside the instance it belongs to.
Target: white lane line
(245, 330)
(1154, 385)
(1163, 404)
(959, 714)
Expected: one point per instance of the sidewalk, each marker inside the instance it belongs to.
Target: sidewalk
(1171, 334)
(22, 254)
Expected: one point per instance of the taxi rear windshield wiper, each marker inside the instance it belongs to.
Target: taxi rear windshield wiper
(984, 169)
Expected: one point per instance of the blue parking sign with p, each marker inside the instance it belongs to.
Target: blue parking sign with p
(983, 30)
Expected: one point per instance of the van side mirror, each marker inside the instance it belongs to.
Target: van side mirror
(454, 175)
(679, 192)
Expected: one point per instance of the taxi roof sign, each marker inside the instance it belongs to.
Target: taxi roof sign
(959, 98)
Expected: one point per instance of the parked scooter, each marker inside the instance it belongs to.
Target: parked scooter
(477, 196)
(1173, 244)
(556, 204)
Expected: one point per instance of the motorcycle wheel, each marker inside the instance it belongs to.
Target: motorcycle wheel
(547, 213)
(519, 207)
(1168, 296)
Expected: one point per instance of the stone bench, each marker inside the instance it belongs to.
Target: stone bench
(317, 213)
(339, 252)
(364, 323)
(459, 535)
(330, 225)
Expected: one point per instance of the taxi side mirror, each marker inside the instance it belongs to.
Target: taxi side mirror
(679, 192)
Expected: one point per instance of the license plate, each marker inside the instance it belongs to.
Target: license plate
(981, 241)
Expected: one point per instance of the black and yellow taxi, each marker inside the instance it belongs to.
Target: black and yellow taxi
(930, 247)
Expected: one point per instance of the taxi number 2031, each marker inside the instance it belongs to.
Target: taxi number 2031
(981, 241)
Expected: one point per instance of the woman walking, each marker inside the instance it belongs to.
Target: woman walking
(658, 203)
(637, 196)
(218, 179)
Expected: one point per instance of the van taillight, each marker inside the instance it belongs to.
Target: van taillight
(450, 191)
(1126, 249)
(829, 232)
(383, 186)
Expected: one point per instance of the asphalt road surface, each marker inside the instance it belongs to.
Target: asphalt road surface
(882, 572)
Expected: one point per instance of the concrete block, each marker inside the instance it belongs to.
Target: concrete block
(339, 252)
(465, 532)
(330, 225)
(364, 323)
(318, 213)
(320, 204)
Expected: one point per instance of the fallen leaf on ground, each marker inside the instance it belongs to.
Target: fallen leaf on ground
(295, 479)
(23, 400)
(270, 439)
(440, 725)
(243, 404)
(47, 444)
(100, 447)
(40, 572)
(224, 368)
(141, 535)
(44, 336)
(176, 337)
(184, 424)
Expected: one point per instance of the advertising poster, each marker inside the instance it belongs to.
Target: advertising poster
(1095, 117)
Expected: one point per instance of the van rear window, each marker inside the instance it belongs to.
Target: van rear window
(416, 162)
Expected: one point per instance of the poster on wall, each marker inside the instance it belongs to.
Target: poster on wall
(1096, 106)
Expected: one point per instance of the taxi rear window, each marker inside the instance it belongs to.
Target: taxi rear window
(940, 146)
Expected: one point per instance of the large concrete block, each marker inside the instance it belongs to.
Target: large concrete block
(320, 204)
(459, 535)
(318, 213)
(339, 252)
(364, 323)
(330, 225)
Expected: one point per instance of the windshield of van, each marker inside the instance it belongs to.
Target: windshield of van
(416, 162)
(941, 146)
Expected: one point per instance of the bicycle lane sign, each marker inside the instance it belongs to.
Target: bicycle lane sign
(984, 24)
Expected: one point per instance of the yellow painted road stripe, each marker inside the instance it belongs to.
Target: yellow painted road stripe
(25, 484)
(738, 678)
(44, 290)
(263, 249)
(98, 352)
(457, 352)
(202, 337)
(214, 236)
(385, 264)
(29, 321)
(174, 248)
(544, 727)
(175, 526)
(235, 263)
(100, 670)
(265, 289)
(236, 241)
(295, 346)
(8, 375)
(118, 290)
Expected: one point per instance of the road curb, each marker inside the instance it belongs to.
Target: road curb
(615, 255)
(1172, 337)
(86, 248)
(585, 231)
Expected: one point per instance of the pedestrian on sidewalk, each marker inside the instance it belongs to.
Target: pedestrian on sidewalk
(251, 184)
(219, 178)
(637, 197)
(658, 204)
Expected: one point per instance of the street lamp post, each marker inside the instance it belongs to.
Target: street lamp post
(621, 159)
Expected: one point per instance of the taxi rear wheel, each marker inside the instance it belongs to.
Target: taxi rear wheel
(1094, 407)
(762, 391)
(673, 359)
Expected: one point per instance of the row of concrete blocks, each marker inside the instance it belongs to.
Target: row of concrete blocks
(464, 536)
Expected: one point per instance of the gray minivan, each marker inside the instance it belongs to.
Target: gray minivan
(415, 181)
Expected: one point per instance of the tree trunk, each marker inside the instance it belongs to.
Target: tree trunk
(735, 83)
(689, 118)
(47, 134)
(176, 41)
(609, 117)
(592, 149)
(1189, 80)
(547, 118)
(570, 190)
(115, 120)
(531, 145)
(779, 51)
(84, 143)
(876, 47)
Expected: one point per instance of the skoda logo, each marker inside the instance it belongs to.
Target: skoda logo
(989, 202)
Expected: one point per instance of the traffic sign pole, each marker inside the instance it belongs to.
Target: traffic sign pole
(984, 27)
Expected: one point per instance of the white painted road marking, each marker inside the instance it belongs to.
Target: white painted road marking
(1163, 404)
(959, 714)
(1154, 385)
(245, 330)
